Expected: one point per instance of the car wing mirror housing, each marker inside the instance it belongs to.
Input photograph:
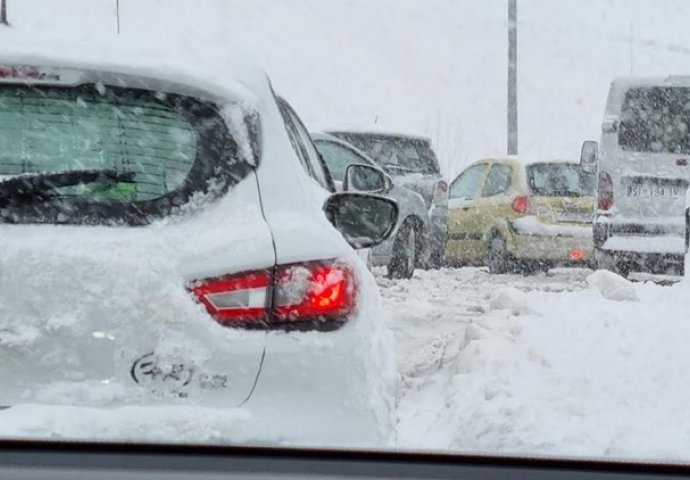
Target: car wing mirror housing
(364, 220)
(367, 179)
(589, 156)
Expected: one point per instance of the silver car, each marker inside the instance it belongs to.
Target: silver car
(408, 247)
(412, 163)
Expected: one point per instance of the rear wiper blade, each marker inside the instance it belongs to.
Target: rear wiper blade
(42, 186)
(47, 183)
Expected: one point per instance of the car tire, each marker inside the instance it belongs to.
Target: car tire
(404, 258)
(606, 261)
(436, 260)
(498, 258)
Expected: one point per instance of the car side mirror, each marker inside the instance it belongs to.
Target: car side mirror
(589, 156)
(366, 179)
(364, 220)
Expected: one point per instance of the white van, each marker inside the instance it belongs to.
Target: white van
(643, 168)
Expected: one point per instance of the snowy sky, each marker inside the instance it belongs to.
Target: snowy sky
(431, 66)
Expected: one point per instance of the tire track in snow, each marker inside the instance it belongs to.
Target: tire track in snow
(434, 317)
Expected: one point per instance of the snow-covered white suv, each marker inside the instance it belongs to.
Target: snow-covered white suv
(163, 244)
(643, 167)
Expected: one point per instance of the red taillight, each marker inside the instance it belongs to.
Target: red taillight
(520, 205)
(605, 192)
(577, 255)
(440, 193)
(316, 291)
(238, 298)
(313, 292)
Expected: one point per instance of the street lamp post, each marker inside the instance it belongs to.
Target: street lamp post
(3, 13)
(512, 79)
(117, 15)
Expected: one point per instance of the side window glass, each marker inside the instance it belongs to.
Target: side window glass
(312, 155)
(294, 139)
(498, 180)
(338, 158)
(467, 185)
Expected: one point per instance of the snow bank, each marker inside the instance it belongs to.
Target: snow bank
(511, 299)
(612, 286)
(586, 377)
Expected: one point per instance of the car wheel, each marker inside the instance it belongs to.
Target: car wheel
(435, 261)
(606, 261)
(404, 256)
(498, 259)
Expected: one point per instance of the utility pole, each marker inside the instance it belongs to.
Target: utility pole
(117, 15)
(512, 79)
(3, 13)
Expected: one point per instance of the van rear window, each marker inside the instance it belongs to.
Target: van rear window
(656, 119)
(163, 147)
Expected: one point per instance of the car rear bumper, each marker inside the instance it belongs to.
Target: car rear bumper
(661, 237)
(564, 245)
(322, 390)
(654, 247)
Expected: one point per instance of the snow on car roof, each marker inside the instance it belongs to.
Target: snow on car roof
(528, 160)
(378, 131)
(629, 81)
(233, 76)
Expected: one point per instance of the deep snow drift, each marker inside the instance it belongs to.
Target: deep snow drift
(573, 363)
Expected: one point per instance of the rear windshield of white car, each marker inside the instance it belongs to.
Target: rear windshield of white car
(157, 149)
(656, 120)
(396, 154)
(560, 180)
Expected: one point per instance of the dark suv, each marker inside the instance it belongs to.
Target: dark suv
(412, 163)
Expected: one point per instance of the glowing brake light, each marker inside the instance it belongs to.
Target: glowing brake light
(520, 205)
(304, 292)
(321, 292)
(577, 255)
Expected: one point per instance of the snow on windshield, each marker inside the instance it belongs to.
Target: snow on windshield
(520, 305)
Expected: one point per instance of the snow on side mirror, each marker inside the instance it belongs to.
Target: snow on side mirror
(364, 220)
(365, 178)
(589, 156)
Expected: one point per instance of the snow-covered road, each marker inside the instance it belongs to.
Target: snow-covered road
(569, 363)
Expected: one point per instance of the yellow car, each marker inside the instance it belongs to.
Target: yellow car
(516, 215)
